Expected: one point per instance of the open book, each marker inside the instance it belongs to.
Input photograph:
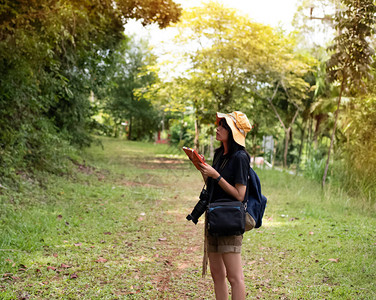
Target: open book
(194, 157)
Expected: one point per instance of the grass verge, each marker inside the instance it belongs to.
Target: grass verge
(115, 228)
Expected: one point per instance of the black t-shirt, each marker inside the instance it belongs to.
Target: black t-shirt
(233, 169)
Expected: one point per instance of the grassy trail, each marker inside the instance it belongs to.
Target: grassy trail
(116, 229)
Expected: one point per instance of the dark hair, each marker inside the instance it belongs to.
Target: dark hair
(232, 145)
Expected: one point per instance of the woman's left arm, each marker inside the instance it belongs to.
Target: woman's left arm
(237, 191)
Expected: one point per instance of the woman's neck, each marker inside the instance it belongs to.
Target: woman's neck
(225, 148)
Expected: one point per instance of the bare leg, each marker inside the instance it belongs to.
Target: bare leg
(218, 273)
(234, 268)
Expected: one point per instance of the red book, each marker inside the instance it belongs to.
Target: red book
(194, 157)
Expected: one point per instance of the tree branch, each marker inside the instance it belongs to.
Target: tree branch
(274, 109)
(293, 119)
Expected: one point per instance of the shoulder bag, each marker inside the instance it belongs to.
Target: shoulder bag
(226, 217)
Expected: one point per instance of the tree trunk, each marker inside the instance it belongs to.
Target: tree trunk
(130, 129)
(287, 138)
(333, 133)
(309, 138)
(301, 146)
(317, 128)
(196, 141)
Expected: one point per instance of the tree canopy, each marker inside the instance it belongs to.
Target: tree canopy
(53, 54)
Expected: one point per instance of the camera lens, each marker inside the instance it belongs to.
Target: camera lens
(199, 208)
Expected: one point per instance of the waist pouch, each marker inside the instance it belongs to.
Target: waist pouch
(226, 217)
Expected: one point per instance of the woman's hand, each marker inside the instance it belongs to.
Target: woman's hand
(208, 171)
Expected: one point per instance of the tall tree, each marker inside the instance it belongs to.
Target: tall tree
(352, 54)
(230, 59)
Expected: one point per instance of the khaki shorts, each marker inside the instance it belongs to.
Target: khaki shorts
(225, 244)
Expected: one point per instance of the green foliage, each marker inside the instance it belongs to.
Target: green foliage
(127, 99)
(314, 169)
(355, 168)
(53, 54)
(182, 132)
(350, 62)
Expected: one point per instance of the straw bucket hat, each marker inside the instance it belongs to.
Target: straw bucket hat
(239, 124)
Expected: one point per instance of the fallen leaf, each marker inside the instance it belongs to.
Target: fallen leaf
(252, 262)
(59, 216)
(51, 268)
(334, 259)
(108, 233)
(66, 223)
(73, 276)
(78, 244)
(55, 255)
(311, 232)
(65, 266)
(162, 239)
(101, 260)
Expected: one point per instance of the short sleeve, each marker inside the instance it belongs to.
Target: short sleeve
(241, 167)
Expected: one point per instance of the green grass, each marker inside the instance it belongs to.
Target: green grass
(115, 228)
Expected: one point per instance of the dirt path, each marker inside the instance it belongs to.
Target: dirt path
(179, 247)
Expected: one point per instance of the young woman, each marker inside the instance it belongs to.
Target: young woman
(227, 178)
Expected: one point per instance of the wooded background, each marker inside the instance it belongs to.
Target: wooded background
(68, 72)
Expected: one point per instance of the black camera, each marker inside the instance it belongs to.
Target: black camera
(200, 207)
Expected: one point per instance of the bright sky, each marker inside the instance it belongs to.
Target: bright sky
(270, 12)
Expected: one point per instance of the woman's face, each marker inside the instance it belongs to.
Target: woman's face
(222, 132)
